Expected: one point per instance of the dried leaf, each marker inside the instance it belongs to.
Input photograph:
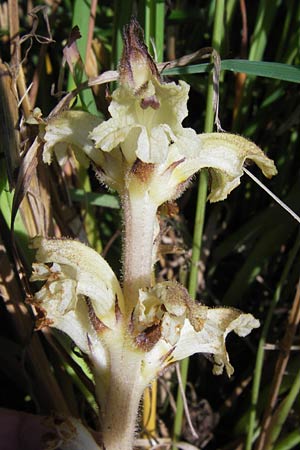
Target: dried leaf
(9, 137)
(26, 172)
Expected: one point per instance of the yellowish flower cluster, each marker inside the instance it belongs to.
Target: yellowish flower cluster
(134, 331)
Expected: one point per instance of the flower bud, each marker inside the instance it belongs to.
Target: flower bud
(137, 68)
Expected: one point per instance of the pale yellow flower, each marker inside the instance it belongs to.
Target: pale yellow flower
(172, 327)
(83, 298)
(132, 333)
(77, 272)
(154, 137)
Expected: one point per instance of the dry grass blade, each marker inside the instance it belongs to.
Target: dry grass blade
(15, 50)
(203, 53)
(9, 137)
(33, 189)
(49, 20)
(271, 194)
(92, 19)
(27, 169)
(240, 78)
(14, 28)
(35, 22)
(34, 14)
(185, 404)
(71, 53)
(64, 104)
(36, 208)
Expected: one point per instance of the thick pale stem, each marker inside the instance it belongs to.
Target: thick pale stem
(139, 243)
(126, 385)
(123, 396)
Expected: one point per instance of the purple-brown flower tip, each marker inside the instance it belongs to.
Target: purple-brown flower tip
(137, 67)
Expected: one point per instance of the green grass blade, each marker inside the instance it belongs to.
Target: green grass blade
(148, 20)
(93, 199)
(81, 14)
(282, 412)
(265, 16)
(278, 71)
(289, 442)
(6, 201)
(159, 34)
(123, 11)
(285, 31)
(152, 17)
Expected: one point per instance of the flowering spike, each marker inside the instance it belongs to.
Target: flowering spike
(131, 333)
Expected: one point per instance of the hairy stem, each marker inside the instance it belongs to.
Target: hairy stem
(119, 407)
(120, 411)
(139, 237)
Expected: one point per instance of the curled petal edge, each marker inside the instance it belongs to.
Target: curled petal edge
(82, 270)
(224, 155)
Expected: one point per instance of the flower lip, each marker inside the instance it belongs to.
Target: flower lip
(150, 101)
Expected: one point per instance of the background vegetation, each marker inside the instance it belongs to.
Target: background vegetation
(242, 252)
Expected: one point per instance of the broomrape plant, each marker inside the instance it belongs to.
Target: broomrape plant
(132, 331)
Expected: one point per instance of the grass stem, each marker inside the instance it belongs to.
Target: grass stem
(200, 209)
